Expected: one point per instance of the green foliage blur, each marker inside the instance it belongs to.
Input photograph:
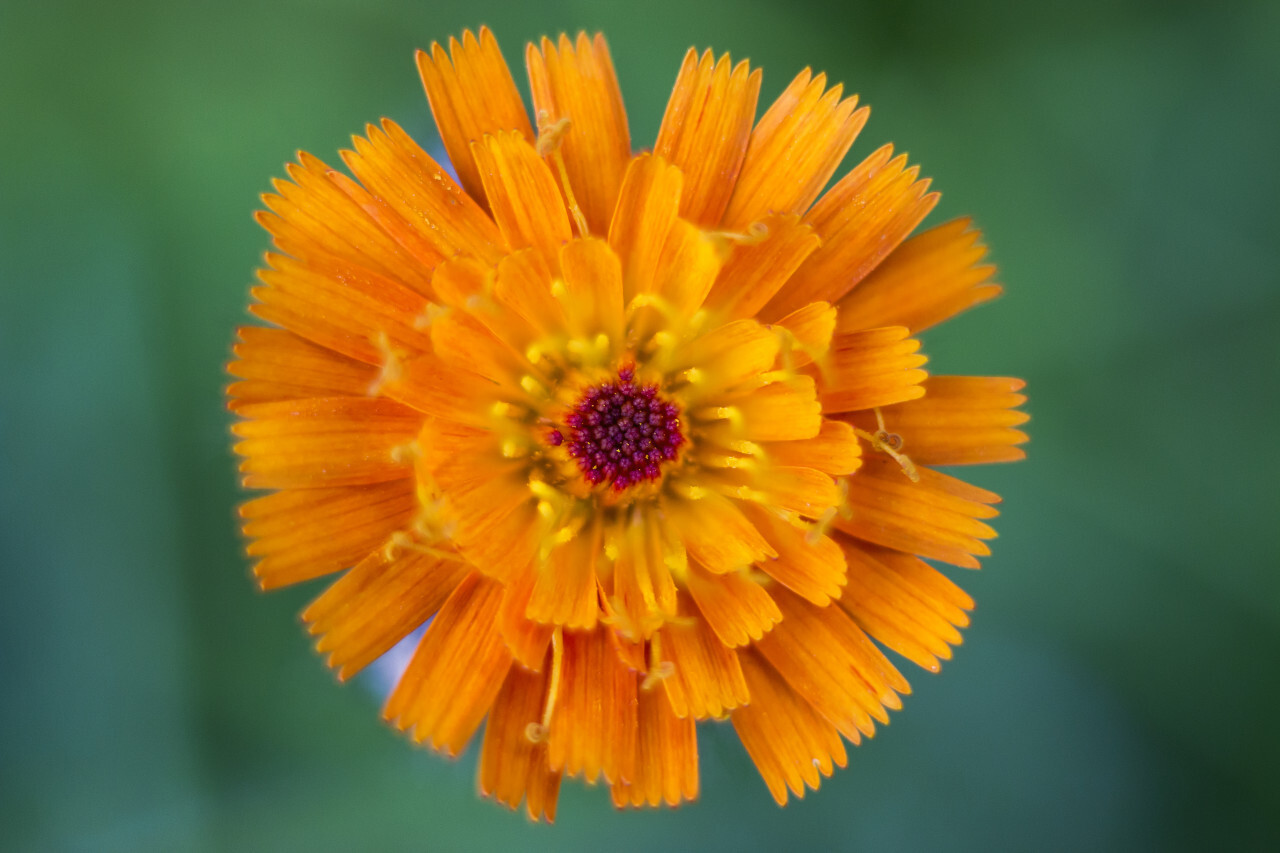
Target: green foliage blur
(1120, 684)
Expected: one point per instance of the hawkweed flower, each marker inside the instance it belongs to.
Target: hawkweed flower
(646, 438)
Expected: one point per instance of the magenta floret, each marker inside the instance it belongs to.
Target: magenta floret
(621, 432)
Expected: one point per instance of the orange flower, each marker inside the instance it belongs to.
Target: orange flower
(643, 437)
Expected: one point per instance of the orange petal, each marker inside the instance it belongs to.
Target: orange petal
(834, 450)
(937, 517)
(513, 767)
(380, 602)
(275, 364)
(522, 192)
(433, 387)
(931, 277)
(806, 491)
(564, 591)
(904, 603)
(781, 411)
(395, 169)
(717, 534)
(827, 659)
(861, 220)
(644, 594)
(471, 94)
(468, 286)
(811, 566)
(736, 607)
(961, 420)
(757, 269)
(341, 307)
(526, 639)
(305, 533)
(456, 672)
(706, 680)
(705, 131)
(593, 726)
(421, 254)
(787, 739)
(687, 270)
(464, 343)
(497, 520)
(593, 285)
(794, 150)
(524, 285)
(578, 82)
(648, 202)
(729, 356)
(330, 441)
(314, 218)
(873, 368)
(667, 761)
(810, 331)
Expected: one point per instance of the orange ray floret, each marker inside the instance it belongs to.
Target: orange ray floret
(385, 597)
(275, 364)
(789, 741)
(861, 221)
(329, 441)
(576, 80)
(643, 438)
(961, 420)
(904, 603)
(395, 169)
(706, 678)
(471, 94)
(829, 661)
(760, 265)
(300, 534)
(667, 756)
(735, 605)
(794, 150)
(522, 193)
(513, 767)
(705, 131)
(932, 277)
(876, 367)
(313, 218)
(456, 672)
(938, 517)
(593, 722)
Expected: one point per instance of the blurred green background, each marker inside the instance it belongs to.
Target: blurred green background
(1120, 686)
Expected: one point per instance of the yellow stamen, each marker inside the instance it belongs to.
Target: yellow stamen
(432, 313)
(537, 732)
(391, 369)
(403, 454)
(890, 444)
(550, 137)
(402, 541)
(756, 232)
(659, 669)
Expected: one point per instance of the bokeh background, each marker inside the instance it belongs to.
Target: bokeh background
(1120, 686)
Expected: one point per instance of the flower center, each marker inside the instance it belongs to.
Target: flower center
(621, 432)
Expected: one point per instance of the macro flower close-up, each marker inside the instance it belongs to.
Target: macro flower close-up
(641, 431)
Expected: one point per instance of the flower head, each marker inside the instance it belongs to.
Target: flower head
(645, 437)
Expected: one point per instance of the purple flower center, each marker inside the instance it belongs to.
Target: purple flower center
(622, 432)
